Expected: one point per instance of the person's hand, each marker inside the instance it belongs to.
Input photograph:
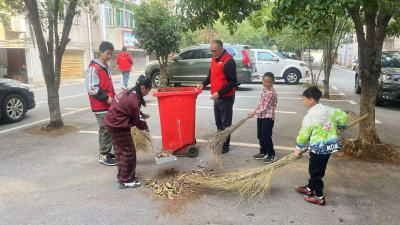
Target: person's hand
(109, 100)
(250, 115)
(297, 153)
(200, 86)
(215, 96)
(147, 130)
(146, 116)
(116, 68)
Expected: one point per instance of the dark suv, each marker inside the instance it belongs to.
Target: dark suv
(193, 64)
(389, 81)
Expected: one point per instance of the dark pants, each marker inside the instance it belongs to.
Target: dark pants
(223, 112)
(125, 154)
(264, 135)
(317, 169)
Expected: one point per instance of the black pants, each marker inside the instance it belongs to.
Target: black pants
(264, 135)
(223, 112)
(317, 169)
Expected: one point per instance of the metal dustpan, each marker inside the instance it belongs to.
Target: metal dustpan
(165, 159)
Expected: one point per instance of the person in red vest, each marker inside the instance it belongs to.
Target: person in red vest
(222, 77)
(125, 62)
(101, 93)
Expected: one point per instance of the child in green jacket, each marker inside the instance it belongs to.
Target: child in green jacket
(318, 131)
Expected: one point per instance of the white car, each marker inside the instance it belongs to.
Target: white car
(288, 69)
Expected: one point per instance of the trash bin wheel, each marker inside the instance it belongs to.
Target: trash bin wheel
(192, 151)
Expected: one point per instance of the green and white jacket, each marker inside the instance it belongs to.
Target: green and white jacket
(318, 129)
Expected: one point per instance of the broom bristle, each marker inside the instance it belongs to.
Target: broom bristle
(216, 144)
(250, 184)
(141, 140)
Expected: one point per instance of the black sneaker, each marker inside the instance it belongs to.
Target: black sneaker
(107, 161)
(269, 159)
(225, 150)
(259, 156)
(133, 184)
(111, 155)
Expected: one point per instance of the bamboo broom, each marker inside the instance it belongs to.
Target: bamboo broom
(250, 184)
(141, 140)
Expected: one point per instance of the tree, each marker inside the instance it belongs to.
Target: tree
(370, 19)
(43, 16)
(158, 30)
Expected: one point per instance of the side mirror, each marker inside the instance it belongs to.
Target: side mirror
(275, 59)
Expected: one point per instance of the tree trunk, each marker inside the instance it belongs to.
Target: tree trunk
(164, 74)
(54, 107)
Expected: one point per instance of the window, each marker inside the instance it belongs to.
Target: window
(63, 13)
(264, 56)
(109, 12)
(231, 51)
(205, 54)
(124, 15)
(191, 54)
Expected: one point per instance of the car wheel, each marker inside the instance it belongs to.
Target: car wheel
(292, 77)
(156, 79)
(378, 101)
(238, 84)
(357, 87)
(13, 108)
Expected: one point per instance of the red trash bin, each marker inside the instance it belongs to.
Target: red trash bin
(177, 108)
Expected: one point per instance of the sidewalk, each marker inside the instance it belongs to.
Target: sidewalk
(70, 81)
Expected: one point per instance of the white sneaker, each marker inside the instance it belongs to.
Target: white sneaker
(134, 184)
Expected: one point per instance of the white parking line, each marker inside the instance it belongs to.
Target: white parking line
(335, 88)
(352, 72)
(234, 109)
(377, 121)
(72, 96)
(243, 96)
(286, 148)
(41, 121)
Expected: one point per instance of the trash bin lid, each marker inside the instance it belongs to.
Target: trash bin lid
(161, 92)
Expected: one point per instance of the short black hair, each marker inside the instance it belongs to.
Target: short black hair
(106, 45)
(124, 49)
(269, 75)
(218, 43)
(313, 92)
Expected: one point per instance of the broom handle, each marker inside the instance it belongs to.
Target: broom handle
(347, 127)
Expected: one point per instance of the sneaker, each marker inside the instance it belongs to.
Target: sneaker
(117, 180)
(269, 159)
(107, 161)
(134, 184)
(111, 155)
(315, 200)
(259, 156)
(304, 190)
(225, 150)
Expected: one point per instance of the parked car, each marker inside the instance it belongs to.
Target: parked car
(389, 81)
(354, 65)
(193, 64)
(15, 100)
(288, 69)
(308, 58)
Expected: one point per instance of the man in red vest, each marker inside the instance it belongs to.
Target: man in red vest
(124, 62)
(222, 77)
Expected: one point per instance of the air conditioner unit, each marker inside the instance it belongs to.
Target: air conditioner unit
(18, 25)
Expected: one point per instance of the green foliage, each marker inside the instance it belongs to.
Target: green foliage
(157, 29)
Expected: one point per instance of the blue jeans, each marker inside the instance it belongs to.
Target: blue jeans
(126, 77)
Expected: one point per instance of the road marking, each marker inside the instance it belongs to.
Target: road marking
(286, 148)
(377, 121)
(234, 109)
(71, 108)
(242, 96)
(353, 102)
(72, 96)
(41, 121)
(335, 88)
(352, 72)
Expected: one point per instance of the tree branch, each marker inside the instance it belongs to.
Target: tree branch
(381, 25)
(56, 36)
(355, 15)
(33, 16)
(67, 25)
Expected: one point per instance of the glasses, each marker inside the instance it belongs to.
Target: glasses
(214, 51)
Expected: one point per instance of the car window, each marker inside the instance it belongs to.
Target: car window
(191, 54)
(231, 51)
(391, 59)
(265, 56)
(205, 54)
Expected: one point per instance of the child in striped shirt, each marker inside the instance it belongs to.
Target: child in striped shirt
(265, 119)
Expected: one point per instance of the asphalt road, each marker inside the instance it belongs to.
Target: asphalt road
(58, 180)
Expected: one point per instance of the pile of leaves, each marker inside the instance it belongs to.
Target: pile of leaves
(175, 186)
(167, 153)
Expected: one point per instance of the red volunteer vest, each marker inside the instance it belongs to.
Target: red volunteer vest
(105, 84)
(218, 79)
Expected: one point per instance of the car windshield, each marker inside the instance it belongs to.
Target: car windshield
(391, 59)
(281, 55)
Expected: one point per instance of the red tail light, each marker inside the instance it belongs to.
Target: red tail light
(246, 59)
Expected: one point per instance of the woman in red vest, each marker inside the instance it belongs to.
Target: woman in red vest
(222, 77)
